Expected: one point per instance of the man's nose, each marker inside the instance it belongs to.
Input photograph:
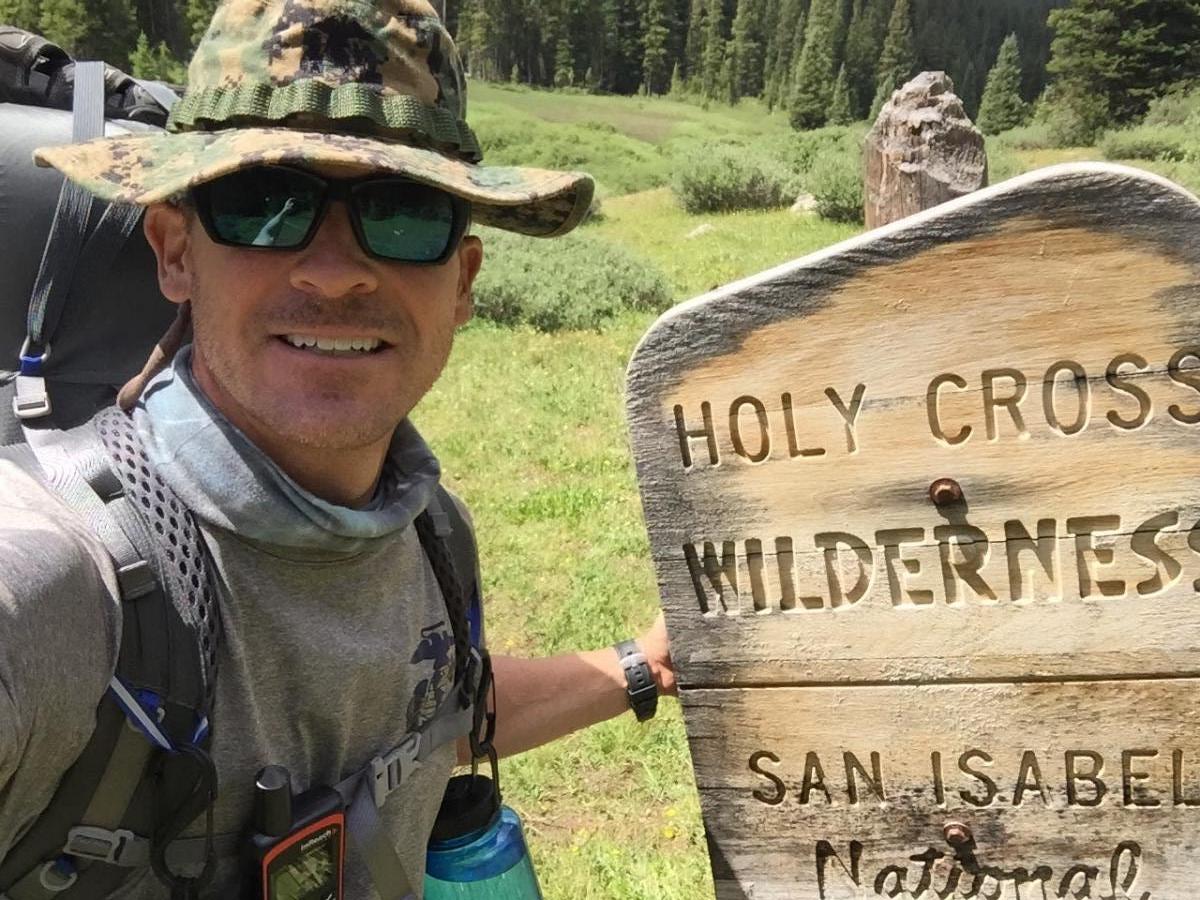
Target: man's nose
(333, 264)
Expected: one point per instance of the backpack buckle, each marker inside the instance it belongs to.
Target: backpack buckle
(390, 771)
(99, 844)
(31, 400)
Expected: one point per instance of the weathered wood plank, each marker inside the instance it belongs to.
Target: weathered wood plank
(1048, 775)
(1038, 345)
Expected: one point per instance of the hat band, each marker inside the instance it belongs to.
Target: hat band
(395, 116)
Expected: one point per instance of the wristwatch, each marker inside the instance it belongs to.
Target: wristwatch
(639, 680)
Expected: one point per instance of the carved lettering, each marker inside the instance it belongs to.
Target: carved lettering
(687, 435)
(1083, 397)
(1177, 779)
(989, 786)
(856, 770)
(1189, 377)
(964, 550)
(715, 578)
(892, 541)
(789, 421)
(933, 413)
(1092, 777)
(934, 874)
(1030, 776)
(1085, 529)
(1016, 541)
(778, 789)
(814, 779)
(849, 413)
(825, 852)
(1129, 776)
(1166, 567)
(830, 542)
(1012, 402)
(735, 428)
(1118, 381)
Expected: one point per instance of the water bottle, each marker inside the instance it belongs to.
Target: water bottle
(477, 850)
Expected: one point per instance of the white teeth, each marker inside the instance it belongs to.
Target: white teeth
(304, 341)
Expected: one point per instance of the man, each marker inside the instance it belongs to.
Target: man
(318, 326)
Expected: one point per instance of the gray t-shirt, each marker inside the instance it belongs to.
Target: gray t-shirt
(336, 639)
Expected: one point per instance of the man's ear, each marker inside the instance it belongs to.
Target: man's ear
(470, 258)
(167, 229)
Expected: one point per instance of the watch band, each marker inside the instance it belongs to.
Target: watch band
(639, 680)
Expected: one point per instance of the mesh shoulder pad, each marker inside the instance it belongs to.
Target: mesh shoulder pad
(180, 664)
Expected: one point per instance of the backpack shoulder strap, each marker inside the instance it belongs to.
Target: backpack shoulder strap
(450, 547)
(126, 797)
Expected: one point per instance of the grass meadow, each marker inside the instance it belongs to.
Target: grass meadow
(530, 429)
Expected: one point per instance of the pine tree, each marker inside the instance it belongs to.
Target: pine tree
(883, 93)
(898, 61)
(714, 49)
(770, 42)
(21, 13)
(656, 59)
(748, 48)
(157, 63)
(199, 13)
(678, 87)
(564, 63)
(864, 41)
(1002, 107)
(65, 22)
(792, 24)
(1124, 52)
(694, 51)
(809, 105)
(727, 80)
(840, 111)
(90, 29)
(970, 89)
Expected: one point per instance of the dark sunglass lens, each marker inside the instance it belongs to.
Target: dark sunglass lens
(405, 221)
(263, 207)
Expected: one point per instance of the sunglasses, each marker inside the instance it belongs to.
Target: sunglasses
(279, 208)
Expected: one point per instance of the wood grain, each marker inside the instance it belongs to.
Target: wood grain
(1038, 343)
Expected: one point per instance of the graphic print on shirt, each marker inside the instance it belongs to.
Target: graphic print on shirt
(437, 647)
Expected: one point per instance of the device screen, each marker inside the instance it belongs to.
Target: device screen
(311, 873)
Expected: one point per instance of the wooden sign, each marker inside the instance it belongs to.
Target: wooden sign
(925, 512)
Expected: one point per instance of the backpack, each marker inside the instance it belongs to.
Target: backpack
(145, 774)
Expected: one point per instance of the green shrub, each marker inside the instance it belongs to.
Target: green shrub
(572, 282)
(1180, 106)
(1152, 142)
(1072, 119)
(836, 181)
(800, 151)
(724, 177)
(620, 164)
(1035, 136)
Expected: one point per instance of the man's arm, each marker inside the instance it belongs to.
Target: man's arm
(539, 700)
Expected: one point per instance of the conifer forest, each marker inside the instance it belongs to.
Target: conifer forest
(822, 61)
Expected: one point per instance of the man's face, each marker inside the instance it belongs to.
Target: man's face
(251, 307)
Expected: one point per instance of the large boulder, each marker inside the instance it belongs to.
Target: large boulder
(922, 151)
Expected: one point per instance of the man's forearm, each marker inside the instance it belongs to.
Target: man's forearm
(538, 700)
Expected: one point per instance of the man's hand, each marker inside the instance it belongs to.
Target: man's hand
(658, 654)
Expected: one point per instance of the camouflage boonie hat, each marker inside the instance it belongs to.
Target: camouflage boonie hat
(359, 86)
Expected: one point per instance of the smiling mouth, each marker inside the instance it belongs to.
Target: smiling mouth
(352, 346)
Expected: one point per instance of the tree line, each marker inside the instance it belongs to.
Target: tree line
(803, 55)
(821, 61)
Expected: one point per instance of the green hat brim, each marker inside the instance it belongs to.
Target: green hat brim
(151, 167)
